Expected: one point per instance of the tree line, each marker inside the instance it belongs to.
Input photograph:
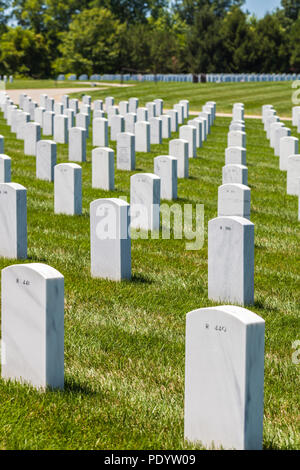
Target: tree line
(42, 38)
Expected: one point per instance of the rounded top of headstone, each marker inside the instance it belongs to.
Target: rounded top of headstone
(68, 165)
(12, 186)
(233, 219)
(241, 314)
(4, 157)
(149, 176)
(112, 200)
(45, 271)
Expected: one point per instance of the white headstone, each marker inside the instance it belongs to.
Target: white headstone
(236, 139)
(71, 117)
(186, 107)
(188, 133)
(130, 120)
(224, 378)
(234, 199)
(159, 104)
(155, 130)
(103, 168)
(77, 144)
(235, 155)
(165, 167)
(109, 101)
(117, 126)
(180, 110)
(82, 120)
(142, 114)
(174, 119)
(98, 105)
(273, 127)
(58, 108)
(198, 125)
(48, 127)
(5, 168)
(50, 104)
(123, 108)
(133, 106)
(33, 325)
(22, 119)
(235, 173)
(60, 131)
(179, 149)
(100, 132)
(74, 104)
(288, 146)
(32, 134)
(279, 133)
(13, 221)
(231, 260)
(67, 189)
(110, 239)
(206, 116)
(293, 173)
(151, 109)
(45, 159)
(142, 136)
(166, 126)
(126, 151)
(145, 201)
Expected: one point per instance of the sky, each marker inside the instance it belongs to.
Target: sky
(260, 7)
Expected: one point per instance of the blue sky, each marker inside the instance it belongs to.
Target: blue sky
(260, 7)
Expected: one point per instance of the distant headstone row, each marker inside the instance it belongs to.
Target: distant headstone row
(285, 146)
(186, 77)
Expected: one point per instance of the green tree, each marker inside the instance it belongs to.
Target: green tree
(24, 52)
(239, 53)
(291, 8)
(188, 9)
(92, 44)
(295, 46)
(4, 5)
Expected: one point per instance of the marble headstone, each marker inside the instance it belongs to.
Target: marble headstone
(288, 146)
(166, 126)
(235, 155)
(293, 174)
(48, 126)
(235, 173)
(234, 199)
(236, 139)
(5, 168)
(179, 149)
(126, 151)
(142, 136)
(33, 325)
(224, 378)
(77, 144)
(231, 260)
(174, 120)
(45, 160)
(165, 167)
(100, 132)
(117, 126)
(60, 133)
(103, 168)
(32, 134)
(67, 189)
(188, 133)
(155, 130)
(110, 239)
(145, 201)
(13, 221)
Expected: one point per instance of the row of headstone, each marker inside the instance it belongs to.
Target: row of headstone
(285, 146)
(231, 234)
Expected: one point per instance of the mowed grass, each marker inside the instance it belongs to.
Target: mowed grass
(253, 95)
(124, 342)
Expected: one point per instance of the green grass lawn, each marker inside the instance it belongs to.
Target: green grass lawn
(254, 95)
(124, 342)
